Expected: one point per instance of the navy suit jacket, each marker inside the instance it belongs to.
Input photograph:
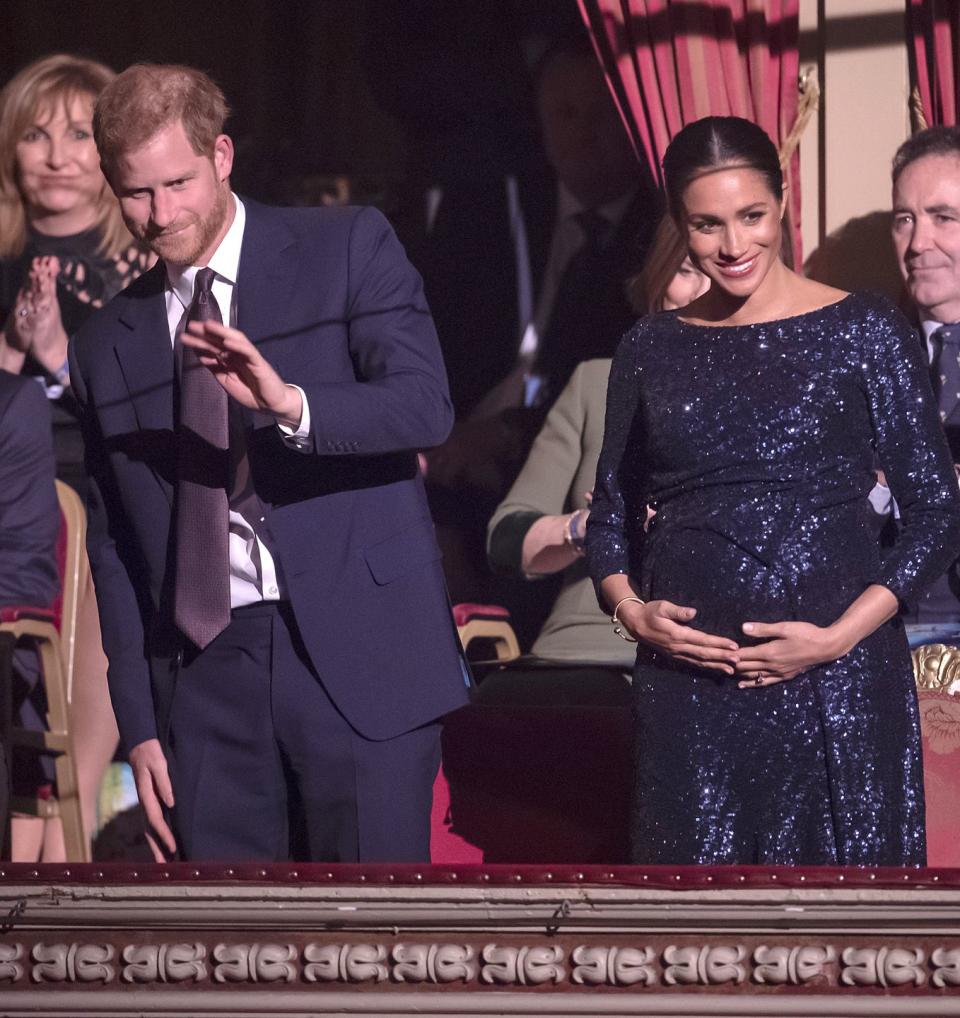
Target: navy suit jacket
(331, 301)
(29, 514)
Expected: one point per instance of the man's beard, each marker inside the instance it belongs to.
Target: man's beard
(184, 246)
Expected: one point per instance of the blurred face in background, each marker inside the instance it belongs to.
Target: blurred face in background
(58, 169)
(585, 140)
(926, 234)
(688, 284)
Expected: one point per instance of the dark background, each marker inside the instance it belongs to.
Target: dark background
(377, 90)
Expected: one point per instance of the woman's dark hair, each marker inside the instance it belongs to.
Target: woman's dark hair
(714, 142)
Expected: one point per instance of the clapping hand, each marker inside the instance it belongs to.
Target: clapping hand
(35, 325)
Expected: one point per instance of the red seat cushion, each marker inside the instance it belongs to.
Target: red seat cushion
(940, 725)
(465, 612)
(17, 612)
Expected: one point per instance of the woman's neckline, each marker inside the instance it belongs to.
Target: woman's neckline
(769, 321)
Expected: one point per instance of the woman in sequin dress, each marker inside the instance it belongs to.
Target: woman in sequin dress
(775, 710)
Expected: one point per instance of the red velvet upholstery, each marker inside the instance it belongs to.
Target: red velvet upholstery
(940, 723)
(18, 612)
(463, 613)
(446, 845)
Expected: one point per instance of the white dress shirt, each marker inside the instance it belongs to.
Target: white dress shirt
(254, 575)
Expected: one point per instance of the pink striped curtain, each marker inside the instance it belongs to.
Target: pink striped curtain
(669, 62)
(933, 30)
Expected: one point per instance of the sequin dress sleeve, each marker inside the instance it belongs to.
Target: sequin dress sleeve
(611, 545)
(914, 455)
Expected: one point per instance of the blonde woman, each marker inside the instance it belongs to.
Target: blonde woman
(63, 252)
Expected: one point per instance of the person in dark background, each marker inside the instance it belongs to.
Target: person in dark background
(575, 240)
(29, 522)
(525, 233)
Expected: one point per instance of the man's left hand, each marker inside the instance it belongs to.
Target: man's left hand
(243, 371)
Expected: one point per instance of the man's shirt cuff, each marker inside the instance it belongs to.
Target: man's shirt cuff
(299, 438)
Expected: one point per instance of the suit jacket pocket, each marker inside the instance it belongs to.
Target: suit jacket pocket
(402, 552)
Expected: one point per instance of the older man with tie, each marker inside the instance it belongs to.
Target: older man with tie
(926, 235)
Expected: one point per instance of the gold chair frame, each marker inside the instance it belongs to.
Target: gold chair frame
(57, 650)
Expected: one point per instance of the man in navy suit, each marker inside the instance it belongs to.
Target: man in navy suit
(271, 596)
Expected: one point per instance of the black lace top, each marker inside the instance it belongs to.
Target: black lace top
(87, 280)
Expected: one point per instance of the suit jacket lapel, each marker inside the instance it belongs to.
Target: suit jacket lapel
(145, 354)
(266, 280)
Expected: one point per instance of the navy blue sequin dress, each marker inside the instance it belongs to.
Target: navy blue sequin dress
(756, 445)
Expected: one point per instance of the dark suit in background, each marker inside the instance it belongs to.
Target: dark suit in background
(29, 523)
(332, 303)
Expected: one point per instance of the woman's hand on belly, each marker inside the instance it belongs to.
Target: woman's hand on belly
(665, 626)
(790, 648)
(793, 647)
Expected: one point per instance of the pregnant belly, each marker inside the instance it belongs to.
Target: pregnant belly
(729, 584)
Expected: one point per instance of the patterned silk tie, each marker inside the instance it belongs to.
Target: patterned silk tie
(202, 597)
(946, 368)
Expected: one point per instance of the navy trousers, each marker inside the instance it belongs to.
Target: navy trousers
(265, 768)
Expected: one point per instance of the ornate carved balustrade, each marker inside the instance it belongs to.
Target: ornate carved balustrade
(353, 940)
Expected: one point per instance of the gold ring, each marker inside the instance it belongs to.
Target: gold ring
(758, 681)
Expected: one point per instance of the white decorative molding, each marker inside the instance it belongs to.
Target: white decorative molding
(279, 1001)
(468, 942)
(345, 963)
(72, 963)
(615, 966)
(947, 971)
(522, 965)
(884, 966)
(255, 963)
(164, 963)
(706, 965)
(433, 963)
(779, 966)
(10, 967)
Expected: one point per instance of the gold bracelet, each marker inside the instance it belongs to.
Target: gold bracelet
(617, 627)
(573, 541)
